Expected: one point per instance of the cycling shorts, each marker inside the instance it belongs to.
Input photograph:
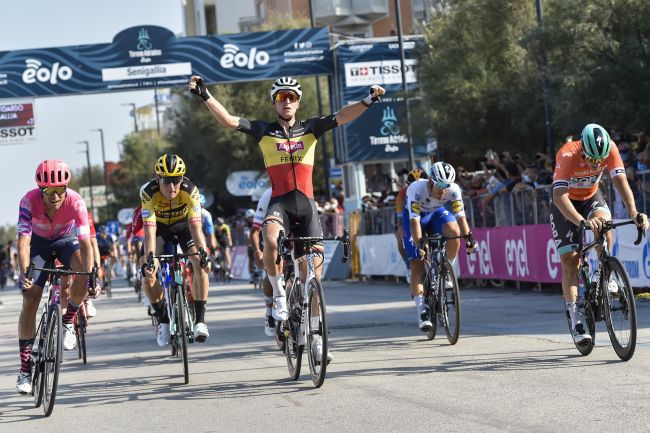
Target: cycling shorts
(169, 236)
(40, 254)
(299, 217)
(565, 233)
(431, 224)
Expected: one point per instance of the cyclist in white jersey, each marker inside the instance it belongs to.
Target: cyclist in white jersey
(254, 239)
(424, 210)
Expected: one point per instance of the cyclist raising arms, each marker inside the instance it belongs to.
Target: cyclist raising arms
(51, 218)
(576, 198)
(425, 211)
(288, 147)
(171, 213)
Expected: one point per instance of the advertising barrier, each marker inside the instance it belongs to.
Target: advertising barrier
(513, 253)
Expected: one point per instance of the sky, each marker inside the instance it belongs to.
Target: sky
(61, 122)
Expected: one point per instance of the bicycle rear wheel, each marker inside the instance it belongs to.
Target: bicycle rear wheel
(292, 350)
(80, 328)
(180, 338)
(450, 298)
(430, 302)
(52, 361)
(619, 309)
(38, 356)
(317, 335)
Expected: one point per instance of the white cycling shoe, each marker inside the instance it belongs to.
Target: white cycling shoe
(69, 336)
(317, 351)
(24, 383)
(280, 311)
(269, 326)
(91, 311)
(201, 332)
(162, 337)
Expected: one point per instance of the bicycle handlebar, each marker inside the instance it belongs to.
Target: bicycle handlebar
(57, 271)
(607, 226)
(345, 239)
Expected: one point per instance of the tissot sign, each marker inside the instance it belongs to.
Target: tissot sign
(382, 132)
(149, 56)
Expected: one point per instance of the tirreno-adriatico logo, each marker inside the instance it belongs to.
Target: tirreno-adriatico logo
(144, 48)
(390, 134)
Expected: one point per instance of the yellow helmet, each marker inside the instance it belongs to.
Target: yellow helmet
(170, 165)
(415, 174)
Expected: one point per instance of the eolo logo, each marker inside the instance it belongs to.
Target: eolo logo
(35, 71)
(234, 57)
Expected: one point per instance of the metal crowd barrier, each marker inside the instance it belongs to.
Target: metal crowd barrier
(529, 206)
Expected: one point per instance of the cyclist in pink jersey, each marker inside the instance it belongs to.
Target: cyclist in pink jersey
(52, 218)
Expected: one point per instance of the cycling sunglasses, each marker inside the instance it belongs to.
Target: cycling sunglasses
(58, 190)
(171, 180)
(440, 184)
(592, 161)
(284, 95)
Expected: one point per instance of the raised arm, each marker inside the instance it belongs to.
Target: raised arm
(197, 87)
(350, 112)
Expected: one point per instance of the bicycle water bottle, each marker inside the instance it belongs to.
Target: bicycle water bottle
(581, 289)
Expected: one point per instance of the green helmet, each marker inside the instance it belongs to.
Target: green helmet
(595, 141)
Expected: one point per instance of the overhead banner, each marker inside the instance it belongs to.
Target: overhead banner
(382, 131)
(249, 182)
(152, 56)
(17, 123)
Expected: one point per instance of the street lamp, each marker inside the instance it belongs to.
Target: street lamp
(135, 121)
(90, 177)
(101, 134)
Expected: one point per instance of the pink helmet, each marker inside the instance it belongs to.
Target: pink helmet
(52, 172)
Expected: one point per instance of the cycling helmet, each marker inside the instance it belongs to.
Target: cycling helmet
(595, 141)
(52, 172)
(286, 83)
(250, 213)
(170, 165)
(219, 221)
(202, 199)
(414, 175)
(441, 172)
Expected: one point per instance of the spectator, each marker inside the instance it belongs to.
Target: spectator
(379, 181)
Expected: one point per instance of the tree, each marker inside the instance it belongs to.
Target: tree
(479, 84)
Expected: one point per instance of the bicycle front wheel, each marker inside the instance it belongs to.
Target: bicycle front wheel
(52, 361)
(317, 336)
(38, 356)
(450, 302)
(291, 329)
(619, 309)
(180, 340)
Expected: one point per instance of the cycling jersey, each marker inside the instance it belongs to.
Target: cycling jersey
(105, 244)
(206, 221)
(70, 220)
(289, 159)
(91, 226)
(224, 235)
(573, 172)
(399, 202)
(419, 201)
(137, 228)
(156, 208)
(260, 212)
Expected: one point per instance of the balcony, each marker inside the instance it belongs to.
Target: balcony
(349, 12)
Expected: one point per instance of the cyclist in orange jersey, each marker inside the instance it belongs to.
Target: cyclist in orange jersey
(576, 198)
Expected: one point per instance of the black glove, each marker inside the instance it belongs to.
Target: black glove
(200, 90)
(203, 257)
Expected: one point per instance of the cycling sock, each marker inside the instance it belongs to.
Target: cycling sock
(419, 303)
(25, 346)
(70, 312)
(278, 285)
(572, 308)
(161, 311)
(268, 300)
(199, 310)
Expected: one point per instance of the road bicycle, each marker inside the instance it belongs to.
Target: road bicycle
(181, 319)
(441, 293)
(106, 267)
(608, 294)
(306, 324)
(47, 352)
(257, 277)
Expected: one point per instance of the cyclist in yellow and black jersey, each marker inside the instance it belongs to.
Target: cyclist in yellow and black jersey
(171, 213)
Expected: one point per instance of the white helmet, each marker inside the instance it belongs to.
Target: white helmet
(441, 172)
(250, 213)
(286, 83)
